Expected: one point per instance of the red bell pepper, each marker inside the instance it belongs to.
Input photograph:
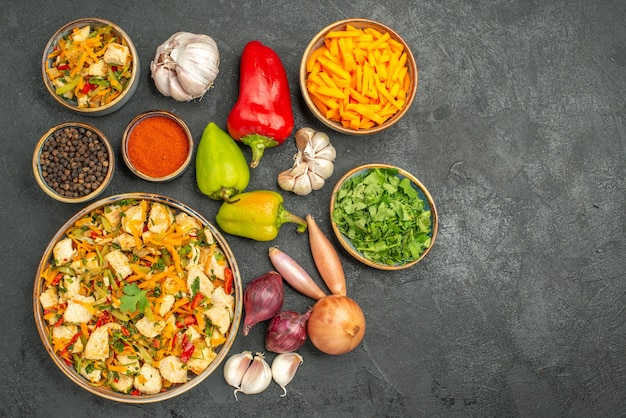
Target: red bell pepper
(57, 279)
(196, 300)
(262, 116)
(188, 350)
(228, 281)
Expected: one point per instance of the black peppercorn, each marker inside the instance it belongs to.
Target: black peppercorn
(73, 162)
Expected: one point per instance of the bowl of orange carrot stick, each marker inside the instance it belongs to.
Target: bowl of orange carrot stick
(358, 76)
(90, 66)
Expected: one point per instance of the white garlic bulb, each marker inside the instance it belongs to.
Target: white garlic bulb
(313, 163)
(185, 66)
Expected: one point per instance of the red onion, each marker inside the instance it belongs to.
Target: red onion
(262, 299)
(286, 331)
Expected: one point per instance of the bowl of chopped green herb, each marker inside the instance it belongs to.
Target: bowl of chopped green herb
(383, 216)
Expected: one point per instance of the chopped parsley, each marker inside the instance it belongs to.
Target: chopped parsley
(159, 265)
(134, 299)
(195, 286)
(383, 216)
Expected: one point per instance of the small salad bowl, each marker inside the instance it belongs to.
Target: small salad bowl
(101, 86)
(368, 180)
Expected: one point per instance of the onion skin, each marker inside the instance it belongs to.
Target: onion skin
(294, 274)
(326, 259)
(262, 299)
(336, 325)
(286, 332)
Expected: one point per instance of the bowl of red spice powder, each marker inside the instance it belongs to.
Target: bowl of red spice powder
(157, 146)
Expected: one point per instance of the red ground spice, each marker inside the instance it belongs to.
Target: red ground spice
(157, 146)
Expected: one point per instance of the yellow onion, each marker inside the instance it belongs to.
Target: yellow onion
(336, 325)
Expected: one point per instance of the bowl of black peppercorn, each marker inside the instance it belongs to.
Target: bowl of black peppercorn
(73, 162)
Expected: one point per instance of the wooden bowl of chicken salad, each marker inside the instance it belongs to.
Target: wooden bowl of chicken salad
(137, 298)
(90, 66)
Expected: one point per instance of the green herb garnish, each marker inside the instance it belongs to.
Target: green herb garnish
(134, 299)
(383, 216)
(195, 286)
(159, 265)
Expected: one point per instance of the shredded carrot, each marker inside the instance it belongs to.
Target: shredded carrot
(357, 73)
(179, 303)
(60, 344)
(117, 368)
(152, 281)
(217, 341)
(176, 258)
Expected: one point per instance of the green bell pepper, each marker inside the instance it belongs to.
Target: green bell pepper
(221, 168)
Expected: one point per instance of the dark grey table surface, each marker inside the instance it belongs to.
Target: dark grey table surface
(518, 132)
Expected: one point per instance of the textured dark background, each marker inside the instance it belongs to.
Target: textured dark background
(517, 130)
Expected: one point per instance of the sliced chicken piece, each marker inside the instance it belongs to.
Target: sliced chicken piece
(76, 312)
(119, 263)
(160, 218)
(173, 369)
(196, 279)
(187, 223)
(201, 358)
(148, 380)
(149, 328)
(63, 251)
(97, 347)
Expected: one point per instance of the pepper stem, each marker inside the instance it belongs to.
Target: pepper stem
(225, 194)
(258, 144)
(284, 216)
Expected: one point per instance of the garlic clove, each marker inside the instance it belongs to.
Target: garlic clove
(257, 378)
(176, 90)
(303, 137)
(284, 369)
(327, 153)
(235, 367)
(308, 153)
(322, 168)
(319, 141)
(302, 185)
(316, 181)
(286, 181)
(161, 78)
(299, 169)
